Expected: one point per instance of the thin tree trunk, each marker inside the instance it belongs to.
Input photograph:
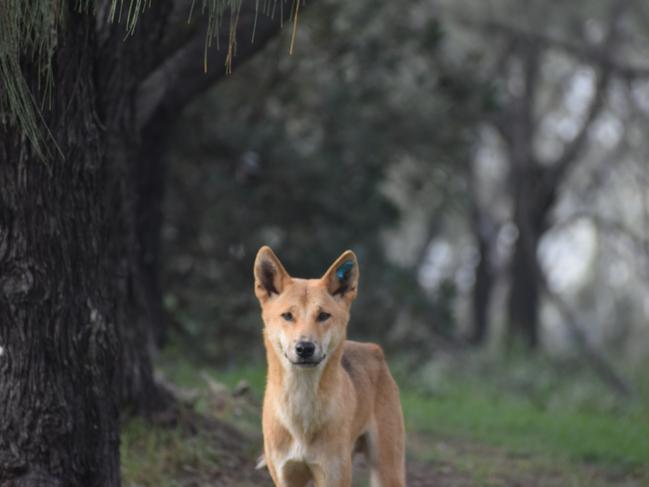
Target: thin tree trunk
(150, 180)
(482, 291)
(533, 202)
(531, 208)
(142, 326)
(524, 294)
(58, 336)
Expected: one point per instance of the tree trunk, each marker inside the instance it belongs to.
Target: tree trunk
(482, 290)
(532, 205)
(524, 294)
(58, 335)
(150, 177)
(142, 327)
(79, 236)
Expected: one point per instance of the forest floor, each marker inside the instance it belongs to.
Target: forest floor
(465, 436)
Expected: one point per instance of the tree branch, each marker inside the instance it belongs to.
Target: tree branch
(595, 55)
(531, 59)
(557, 170)
(180, 31)
(181, 77)
(573, 149)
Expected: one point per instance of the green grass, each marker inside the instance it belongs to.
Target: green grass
(558, 411)
(613, 439)
(497, 410)
(184, 372)
(492, 421)
(155, 456)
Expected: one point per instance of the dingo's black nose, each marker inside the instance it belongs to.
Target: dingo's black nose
(304, 349)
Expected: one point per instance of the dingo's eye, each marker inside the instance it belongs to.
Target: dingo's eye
(288, 316)
(323, 316)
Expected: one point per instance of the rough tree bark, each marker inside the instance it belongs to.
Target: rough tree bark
(75, 231)
(58, 334)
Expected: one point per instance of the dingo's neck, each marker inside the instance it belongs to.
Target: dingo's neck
(302, 396)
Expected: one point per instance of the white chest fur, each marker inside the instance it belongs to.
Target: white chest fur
(300, 407)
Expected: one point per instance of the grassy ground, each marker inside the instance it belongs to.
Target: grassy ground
(470, 422)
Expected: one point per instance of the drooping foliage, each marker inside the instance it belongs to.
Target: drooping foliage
(29, 33)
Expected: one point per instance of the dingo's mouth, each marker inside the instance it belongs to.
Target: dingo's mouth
(306, 363)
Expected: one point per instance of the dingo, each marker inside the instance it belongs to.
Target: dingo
(326, 397)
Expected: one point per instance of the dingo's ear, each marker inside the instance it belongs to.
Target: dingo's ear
(270, 275)
(342, 277)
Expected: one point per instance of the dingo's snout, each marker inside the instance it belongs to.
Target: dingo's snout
(306, 353)
(304, 349)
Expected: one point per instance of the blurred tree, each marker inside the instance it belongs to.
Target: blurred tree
(77, 234)
(533, 84)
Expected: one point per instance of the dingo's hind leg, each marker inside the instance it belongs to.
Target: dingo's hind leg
(386, 445)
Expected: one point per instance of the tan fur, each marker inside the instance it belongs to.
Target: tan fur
(315, 418)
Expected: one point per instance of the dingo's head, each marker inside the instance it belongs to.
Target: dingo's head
(305, 319)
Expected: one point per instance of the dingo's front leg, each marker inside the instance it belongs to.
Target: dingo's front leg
(334, 474)
(273, 474)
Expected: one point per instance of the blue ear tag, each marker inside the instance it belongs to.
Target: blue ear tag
(343, 271)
